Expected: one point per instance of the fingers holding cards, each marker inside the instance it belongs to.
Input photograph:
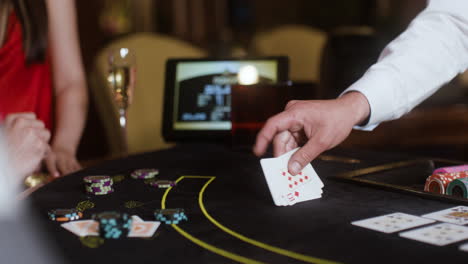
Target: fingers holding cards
(287, 189)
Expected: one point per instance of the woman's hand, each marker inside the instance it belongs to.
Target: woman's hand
(61, 161)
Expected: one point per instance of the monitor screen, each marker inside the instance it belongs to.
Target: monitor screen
(197, 101)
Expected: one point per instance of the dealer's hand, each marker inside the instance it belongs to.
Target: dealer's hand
(61, 161)
(321, 125)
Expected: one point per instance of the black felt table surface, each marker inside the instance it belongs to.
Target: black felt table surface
(238, 199)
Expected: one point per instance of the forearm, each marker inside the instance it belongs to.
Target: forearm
(432, 51)
(70, 117)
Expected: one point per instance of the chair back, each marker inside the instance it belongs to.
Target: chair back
(302, 44)
(144, 125)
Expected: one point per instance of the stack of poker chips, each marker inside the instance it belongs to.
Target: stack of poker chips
(64, 215)
(143, 174)
(113, 225)
(170, 216)
(98, 185)
(439, 182)
(458, 188)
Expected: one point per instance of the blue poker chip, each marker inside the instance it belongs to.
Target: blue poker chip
(170, 216)
(113, 225)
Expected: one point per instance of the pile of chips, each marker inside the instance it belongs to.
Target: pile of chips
(170, 216)
(98, 185)
(64, 215)
(113, 225)
(439, 182)
(143, 174)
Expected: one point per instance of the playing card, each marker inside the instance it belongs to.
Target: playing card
(271, 170)
(92, 229)
(392, 222)
(70, 226)
(305, 185)
(143, 229)
(463, 247)
(439, 235)
(136, 218)
(456, 215)
(287, 189)
(83, 227)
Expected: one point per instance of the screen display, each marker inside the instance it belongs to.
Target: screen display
(202, 90)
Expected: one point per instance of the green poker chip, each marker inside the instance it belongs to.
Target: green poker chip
(458, 188)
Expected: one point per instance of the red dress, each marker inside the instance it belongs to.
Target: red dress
(23, 88)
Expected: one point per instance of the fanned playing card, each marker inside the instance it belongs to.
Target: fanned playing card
(392, 222)
(438, 235)
(287, 189)
(455, 215)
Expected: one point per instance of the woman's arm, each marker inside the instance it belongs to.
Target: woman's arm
(69, 85)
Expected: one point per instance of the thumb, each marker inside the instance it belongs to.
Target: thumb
(304, 156)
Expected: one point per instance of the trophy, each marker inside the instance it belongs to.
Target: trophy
(121, 81)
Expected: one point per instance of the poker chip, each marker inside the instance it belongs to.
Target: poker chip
(97, 179)
(142, 174)
(457, 168)
(98, 185)
(438, 183)
(435, 185)
(113, 225)
(99, 190)
(103, 184)
(64, 215)
(162, 184)
(170, 216)
(458, 188)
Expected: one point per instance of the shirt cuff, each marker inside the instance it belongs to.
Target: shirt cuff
(378, 86)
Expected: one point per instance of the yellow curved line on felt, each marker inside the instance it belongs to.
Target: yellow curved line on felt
(202, 244)
(274, 249)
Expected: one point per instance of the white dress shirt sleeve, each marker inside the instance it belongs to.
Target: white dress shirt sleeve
(431, 52)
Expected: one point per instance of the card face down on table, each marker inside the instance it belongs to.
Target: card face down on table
(287, 189)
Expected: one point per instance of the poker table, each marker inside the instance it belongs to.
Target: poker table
(231, 215)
